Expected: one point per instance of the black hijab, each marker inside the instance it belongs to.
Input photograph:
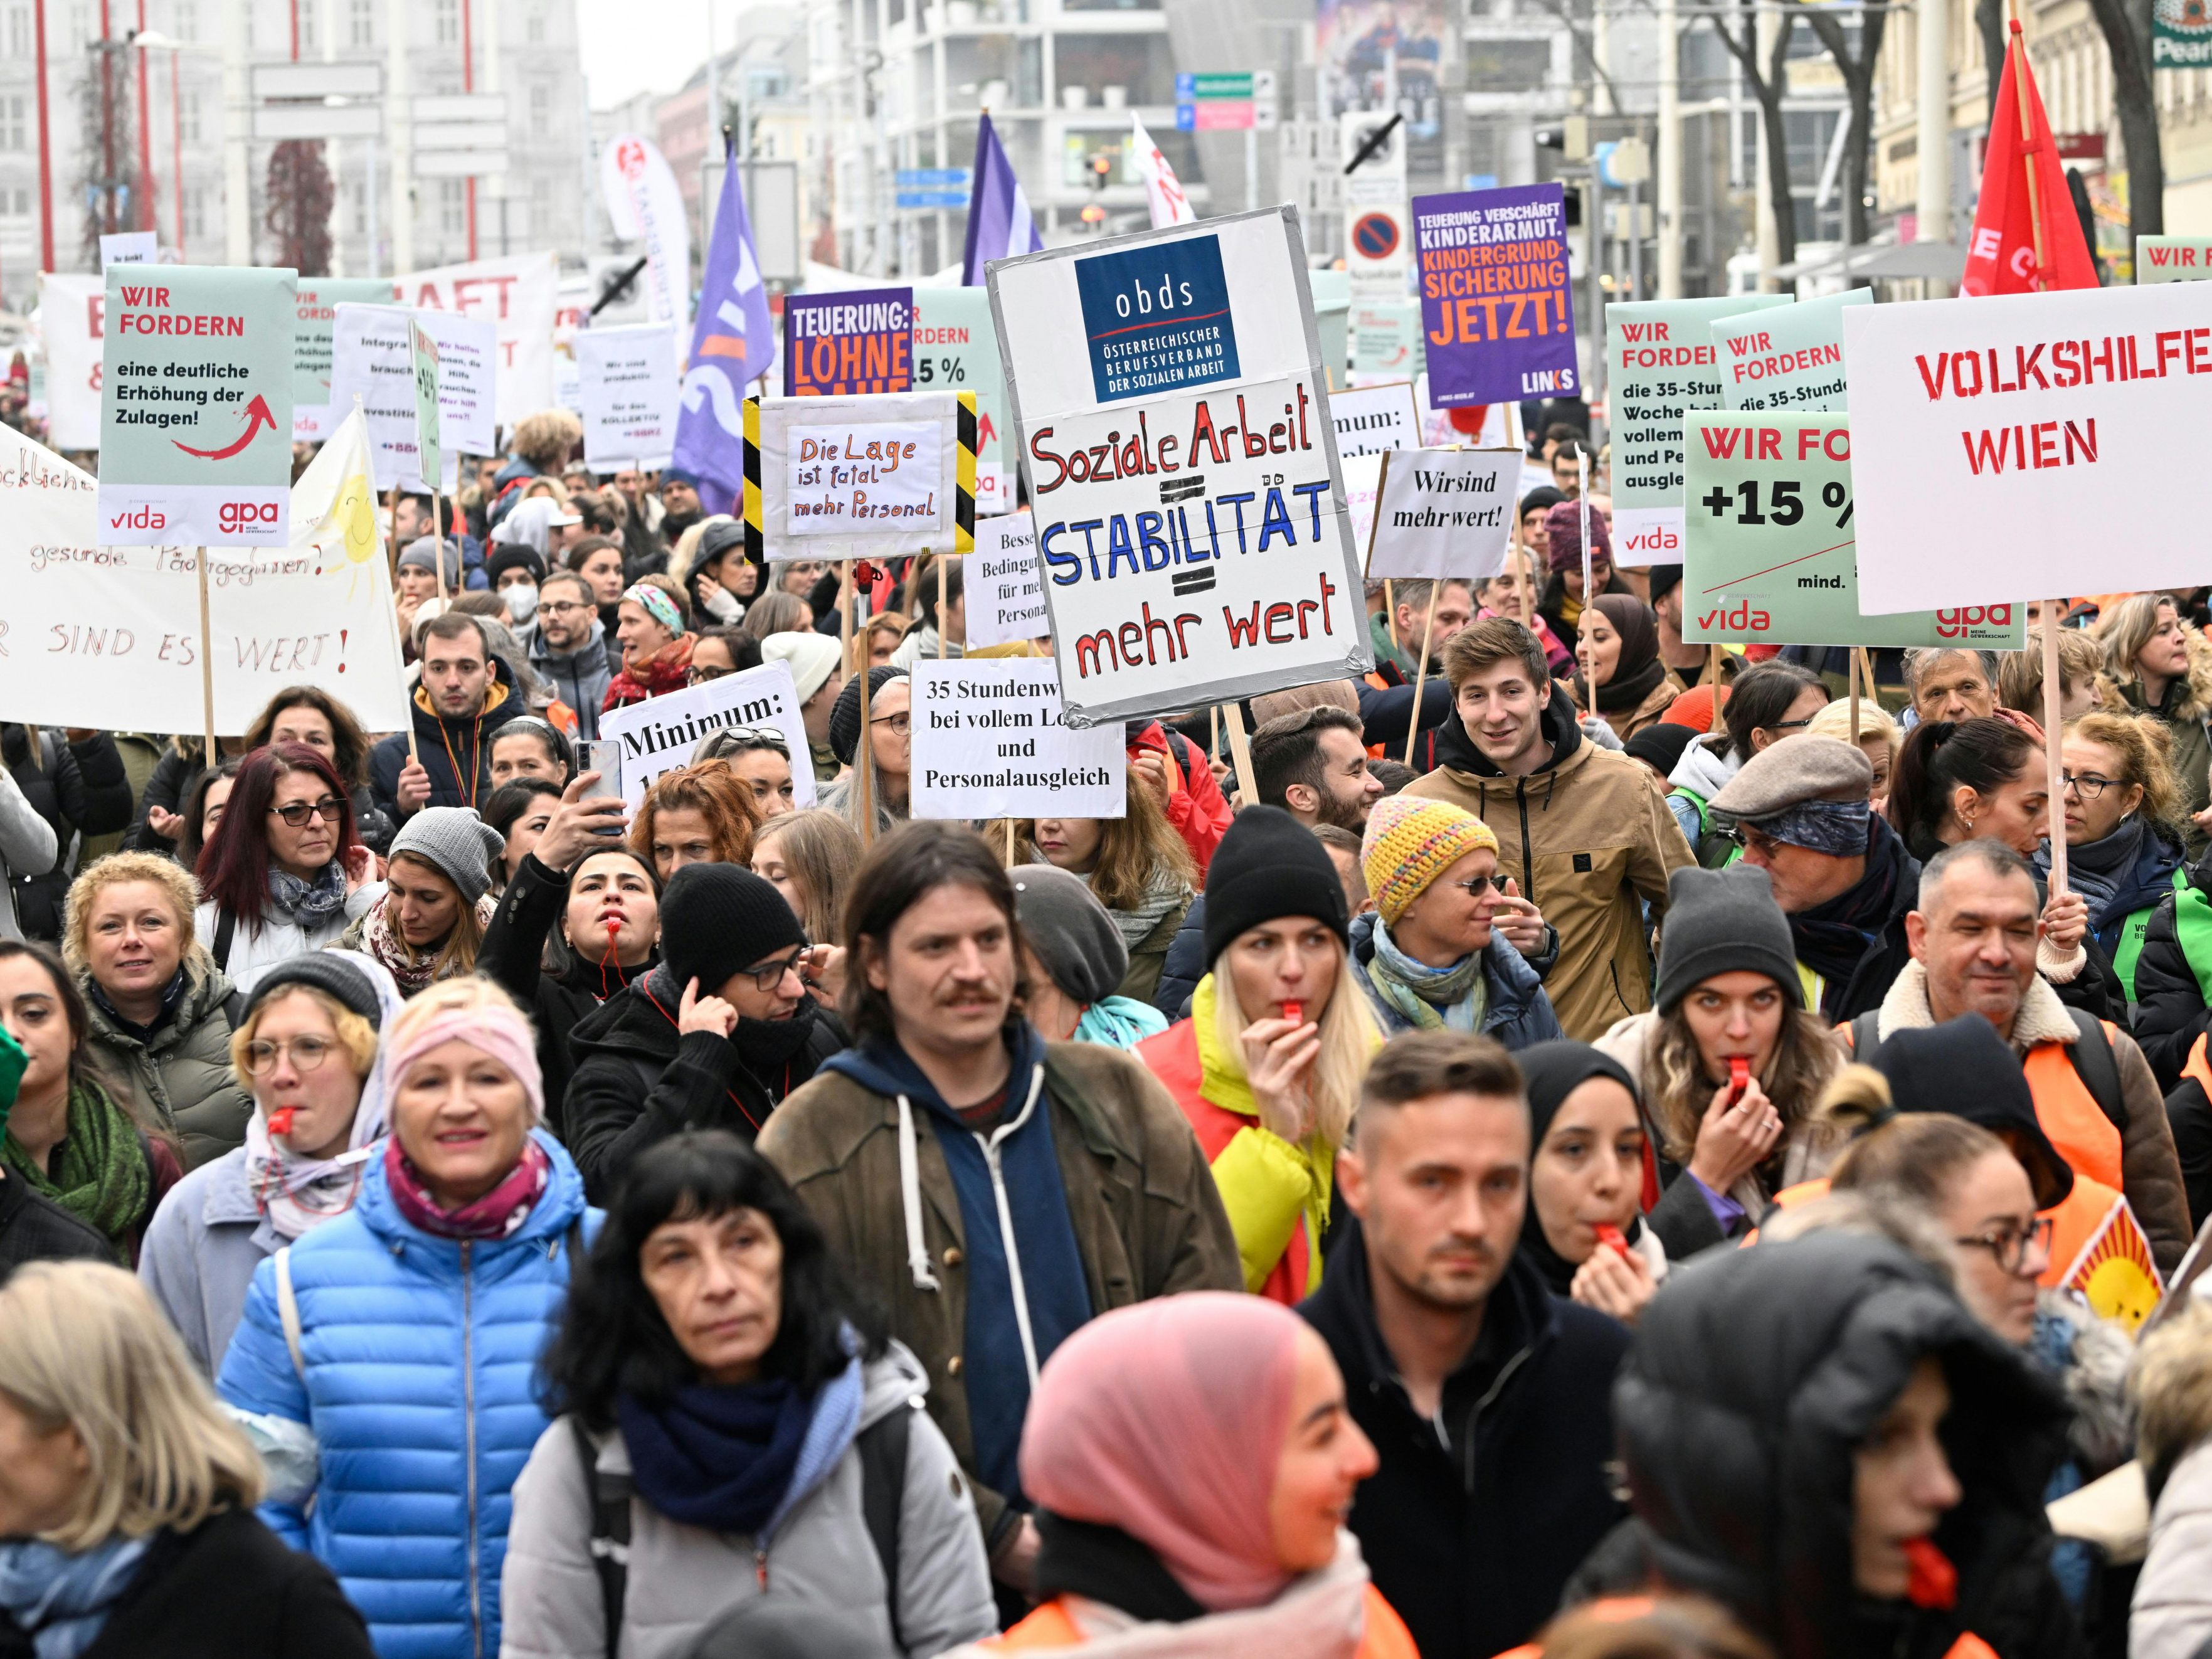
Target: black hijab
(1638, 671)
(1552, 1071)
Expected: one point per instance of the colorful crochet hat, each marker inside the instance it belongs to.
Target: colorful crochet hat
(1410, 842)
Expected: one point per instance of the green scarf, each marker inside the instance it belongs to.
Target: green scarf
(1430, 999)
(101, 1175)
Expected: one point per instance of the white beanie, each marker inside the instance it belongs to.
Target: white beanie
(812, 657)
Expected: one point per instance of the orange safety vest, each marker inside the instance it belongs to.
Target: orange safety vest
(1052, 1626)
(2073, 1219)
(2196, 1066)
(2070, 1115)
(1619, 1609)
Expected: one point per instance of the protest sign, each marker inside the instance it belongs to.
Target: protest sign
(1004, 584)
(130, 247)
(468, 394)
(645, 204)
(1659, 360)
(372, 358)
(880, 477)
(841, 345)
(1497, 308)
(1443, 513)
(1386, 337)
(110, 636)
(72, 311)
(992, 741)
(423, 360)
(1181, 466)
(1789, 357)
(1373, 418)
(1363, 482)
(1980, 431)
(196, 406)
(2173, 259)
(315, 310)
(956, 349)
(518, 295)
(630, 395)
(658, 737)
(1769, 555)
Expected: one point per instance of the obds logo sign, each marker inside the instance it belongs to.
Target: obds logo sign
(1156, 318)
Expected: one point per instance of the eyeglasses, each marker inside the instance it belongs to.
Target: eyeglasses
(2089, 786)
(767, 976)
(563, 608)
(1790, 726)
(900, 724)
(330, 809)
(1474, 886)
(700, 676)
(2013, 1246)
(307, 1053)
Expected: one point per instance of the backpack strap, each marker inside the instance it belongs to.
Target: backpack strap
(1866, 1036)
(226, 925)
(2092, 1054)
(610, 1494)
(234, 1009)
(288, 1312)
(883, 1448)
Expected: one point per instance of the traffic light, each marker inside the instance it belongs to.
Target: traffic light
(1093, 214)
(1101, 170)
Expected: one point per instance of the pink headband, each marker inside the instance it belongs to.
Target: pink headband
(499, 1032)
(658, 605)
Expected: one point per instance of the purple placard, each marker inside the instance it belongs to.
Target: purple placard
(1496, 301)
(840, 346)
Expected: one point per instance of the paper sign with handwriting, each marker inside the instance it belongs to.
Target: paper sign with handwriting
(858, 477)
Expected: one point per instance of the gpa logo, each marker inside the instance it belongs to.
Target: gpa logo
(233, 517)
(1966, 621)
(144, 517)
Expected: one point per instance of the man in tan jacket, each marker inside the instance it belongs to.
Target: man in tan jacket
(1579, 828)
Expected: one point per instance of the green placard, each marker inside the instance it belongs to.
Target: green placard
(2173, 259)
(319, 298)
(429, 449)
(196, 405)
(1770, 549)
(1387, 339)
(956, 348)
(1791, 358)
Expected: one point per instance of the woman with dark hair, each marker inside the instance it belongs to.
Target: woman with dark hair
(1765, 703)
(519, 811)
(1633, 685)
(203, 809)
(284, 872)
(529, 746)
(721, 1400)
(67, 1138)
(718, 651)
(309, 715)
(717, 577)
(75, 781)
(1563, 601)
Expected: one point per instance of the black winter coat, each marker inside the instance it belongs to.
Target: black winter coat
(33, 1228)
(1753, 1377)
(638, 1080)
(2170, 1011)
(1473, 1546)
(1186, 965)
(227, 1589)
(80, 788)
(445, 745)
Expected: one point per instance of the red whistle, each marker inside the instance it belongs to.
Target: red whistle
(280, 1121)
(1612, 1238)
(1739, 1077)
(1295, 1011)
(1932, 1582)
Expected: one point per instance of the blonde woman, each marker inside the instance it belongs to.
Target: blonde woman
(437, 900)
(1268, 1067)
(1137, 867)
(127, 1501)
(1880, 736)
(809, 857)
(2083, 685)
(2164, 668)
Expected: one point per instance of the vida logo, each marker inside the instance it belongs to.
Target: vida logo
(148, 517)
(1744, 617)
(1656, 538)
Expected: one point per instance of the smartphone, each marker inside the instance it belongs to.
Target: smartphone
(603, 756)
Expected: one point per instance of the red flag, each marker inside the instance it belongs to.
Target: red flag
(2000, 255)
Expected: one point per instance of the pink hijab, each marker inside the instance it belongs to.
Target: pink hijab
(1166, 1419)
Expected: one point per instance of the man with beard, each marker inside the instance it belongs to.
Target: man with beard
(679, 504)
(1488, 1398)
(1313, 764)
(569, 649)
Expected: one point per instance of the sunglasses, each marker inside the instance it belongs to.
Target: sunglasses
(330, 809)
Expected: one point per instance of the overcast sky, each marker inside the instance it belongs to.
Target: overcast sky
(646, 46)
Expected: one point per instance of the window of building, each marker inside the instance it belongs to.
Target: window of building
(540, 111)
(188, 117)
(15, 125)
(362, 20)
(308, 12)
(449, 22)
(453, 206)
(196, 211)
(184, 18)
(357, 192)
(20, 40)
(246, 12)
(533, 27)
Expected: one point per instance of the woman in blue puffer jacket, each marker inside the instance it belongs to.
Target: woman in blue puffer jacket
(385, 1363)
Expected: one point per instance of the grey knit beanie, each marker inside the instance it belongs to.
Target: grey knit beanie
(1723, 921)
(460, 844)
(1071, 933)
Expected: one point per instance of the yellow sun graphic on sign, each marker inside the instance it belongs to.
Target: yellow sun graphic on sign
(2116, 1273)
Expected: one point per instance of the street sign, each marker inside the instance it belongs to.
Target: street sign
(1225, 103)
(933, 198)
(1375, 202)
(459, 163)
(276, 81)
(274, 123)
(457, 106)
(960, 178)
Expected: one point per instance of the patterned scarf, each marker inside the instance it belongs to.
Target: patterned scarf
(411, 970)
(497, 1214)
(1433, 998)
(308, 903)
(99, 1174)
(1163, 892)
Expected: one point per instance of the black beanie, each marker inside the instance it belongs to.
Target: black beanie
(1964, 1067)
(1665, 579)
(513, 556)
(333, 975)
(1270, 865)
(1660, 744)
(845, 712)
(718, 918)
(1723, 921)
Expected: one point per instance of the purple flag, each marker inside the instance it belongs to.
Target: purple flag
(732, 343)
(999, 222)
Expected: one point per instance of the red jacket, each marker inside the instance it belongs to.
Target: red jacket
(1196, 805)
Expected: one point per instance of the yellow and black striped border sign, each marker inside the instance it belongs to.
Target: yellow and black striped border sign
(963, 496)
(756, 535)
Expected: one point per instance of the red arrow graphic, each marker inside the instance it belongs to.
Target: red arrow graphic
(256, 416)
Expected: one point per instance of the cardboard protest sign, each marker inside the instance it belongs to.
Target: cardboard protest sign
(658, 737)
(1443, 513)
(468, 397)
(1659, 360)
(72, 314)
(196, 405)
(841, 345)
(372, 358)
(518, 295)
(1363, 482)
(630, 395)
(1789, 357)
(2115, 1273)
(423, 360)
(315, 311)
(880, 477)
(2173, 259)
(992, 741)
(130, 247)
(1980, 433)
(1373, 418)
(1181, 466)
(110, 636)
(1004, 584)
(956, 349)
(1769, 553)
(1497, 308)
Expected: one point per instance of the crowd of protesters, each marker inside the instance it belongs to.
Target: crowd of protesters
(1579, 1149)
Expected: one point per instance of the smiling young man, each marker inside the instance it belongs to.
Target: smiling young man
(996, 1190)
(1585, 837)
(467, 694)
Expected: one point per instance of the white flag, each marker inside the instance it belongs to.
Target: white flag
(1163, 190)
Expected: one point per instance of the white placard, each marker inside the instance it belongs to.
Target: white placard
(858, 477)
(468, 375)
(1004, 587)
(110, 636)
(1443, 513)
(630, 395)
(1980, 430)
(130, 247)
(1371, 419)
(658, 736)
(990, 741)
(72, 311)
(518, 295)
(1363, 481)
(370, 360)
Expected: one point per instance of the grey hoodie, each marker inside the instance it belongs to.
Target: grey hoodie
(28, 847)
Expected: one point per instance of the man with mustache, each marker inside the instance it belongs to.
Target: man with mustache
(997, 1190)
(1488, 1398)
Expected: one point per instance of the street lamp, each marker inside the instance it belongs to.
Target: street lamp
(154, 41)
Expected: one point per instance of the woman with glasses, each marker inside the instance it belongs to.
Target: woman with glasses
(890, 747)
(437, 901)
(656, 644)
(284, 872)
(760, 756)
(305, 1046)
(716, 652)
(1765, 703)
(2123, 817)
